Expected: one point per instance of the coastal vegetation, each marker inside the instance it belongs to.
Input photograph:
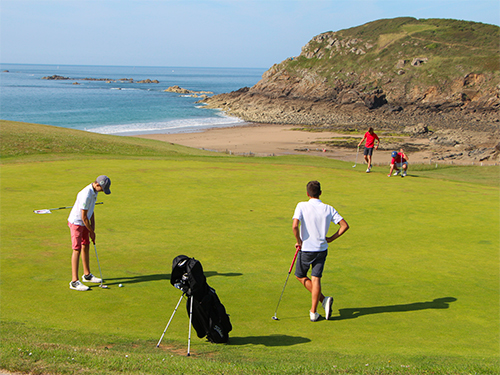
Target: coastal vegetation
(415, 280)
(410, 52)
(403, 58)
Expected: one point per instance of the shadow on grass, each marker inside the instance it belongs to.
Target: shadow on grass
(158, 277)
(438, 303)
(228, 274)
(136, 279)
(271, 340)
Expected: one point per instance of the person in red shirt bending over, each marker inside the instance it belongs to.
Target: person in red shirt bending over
(370, 137)
(399, 161)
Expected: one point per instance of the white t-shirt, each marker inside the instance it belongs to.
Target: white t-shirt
(315, 218)
(85, 200)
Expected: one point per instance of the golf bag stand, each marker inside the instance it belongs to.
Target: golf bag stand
(190, 321)
(171, 317)
(182, 284)
(190, 325)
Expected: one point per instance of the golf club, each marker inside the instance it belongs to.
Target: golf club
(100, 273)
(290, 270)
(356, 162)
(49, 210)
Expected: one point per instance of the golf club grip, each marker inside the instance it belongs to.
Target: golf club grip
(293, 261)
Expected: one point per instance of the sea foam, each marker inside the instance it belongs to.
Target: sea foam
(171, 126)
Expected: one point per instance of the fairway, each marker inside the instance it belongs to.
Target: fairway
(415, 280)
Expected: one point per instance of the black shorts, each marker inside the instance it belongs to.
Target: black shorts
(306, 259)
(368, 151)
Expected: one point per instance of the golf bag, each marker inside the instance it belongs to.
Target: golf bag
(209, 317)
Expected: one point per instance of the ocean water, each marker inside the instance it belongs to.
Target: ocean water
(120, 108)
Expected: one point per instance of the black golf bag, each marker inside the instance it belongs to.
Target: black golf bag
(209, 317)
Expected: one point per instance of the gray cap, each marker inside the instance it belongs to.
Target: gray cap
(105, 183)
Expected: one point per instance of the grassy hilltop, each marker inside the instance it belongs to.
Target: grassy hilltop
(415, 279)
(379, 54)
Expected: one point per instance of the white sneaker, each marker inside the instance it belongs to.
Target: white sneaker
(396, 173)
(368, 170)
(404, 174)
(77, 285)
(327, 305)
(314, 316)
(90, 279)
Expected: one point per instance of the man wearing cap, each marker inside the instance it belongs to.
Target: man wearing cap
(399, 161)
(81, 222)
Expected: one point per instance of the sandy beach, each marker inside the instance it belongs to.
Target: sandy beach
(269, 140)
(257, 139)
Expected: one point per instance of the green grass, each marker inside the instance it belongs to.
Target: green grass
(415, 279)
(23, 141)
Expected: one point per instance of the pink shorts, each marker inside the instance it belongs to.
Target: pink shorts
(79, 236)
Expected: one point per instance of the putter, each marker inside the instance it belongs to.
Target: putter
(290, 270)
(100, 273)
(49, 210)
(356, 162)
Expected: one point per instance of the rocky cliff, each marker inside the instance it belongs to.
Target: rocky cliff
(391, 74)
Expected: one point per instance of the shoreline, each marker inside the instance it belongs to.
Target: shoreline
(275, 140)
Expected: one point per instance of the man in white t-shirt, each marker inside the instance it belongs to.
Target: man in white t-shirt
(81, 222)
(311, 222)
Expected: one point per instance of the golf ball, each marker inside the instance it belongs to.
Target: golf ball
(120, 285)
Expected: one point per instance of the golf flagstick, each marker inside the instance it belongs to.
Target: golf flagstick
(49, 210)
(287, 276)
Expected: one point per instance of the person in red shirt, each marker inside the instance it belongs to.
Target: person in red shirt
(370, 137)
(399, 161)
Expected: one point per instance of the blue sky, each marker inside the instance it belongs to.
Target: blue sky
(196, 33)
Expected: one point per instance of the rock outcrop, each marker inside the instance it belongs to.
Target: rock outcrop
(180, 90)
(389, 74)
(148, 81)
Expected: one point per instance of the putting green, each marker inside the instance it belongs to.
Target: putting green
(417, 274)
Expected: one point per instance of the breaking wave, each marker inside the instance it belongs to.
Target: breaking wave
(171, 126)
